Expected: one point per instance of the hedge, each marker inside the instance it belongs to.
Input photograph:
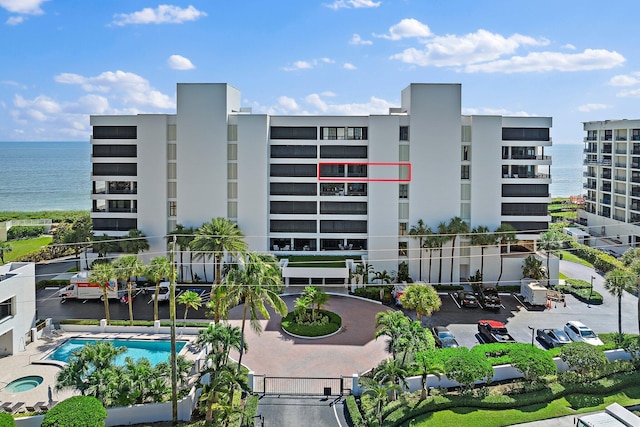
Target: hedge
(250, 410)
(373, 292)
(605, 386)
(581, 289)
(77, 411)
(289, 325)
(599, 259)
(18, 232)
(6, 420)
(353, 412)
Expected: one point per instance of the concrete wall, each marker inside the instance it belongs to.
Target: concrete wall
(18, 285)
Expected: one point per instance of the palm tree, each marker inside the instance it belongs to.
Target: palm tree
(533, 268)
(222, 338)
(159, 268)
(631, 259)
(217, 237)
(550, 242)
(415, 338)
(103, 274)
(617, 282)
(220, 302)
(314, 297)
(379, 394)
(104, 244)
(431, 242)
(392, 324)
(481, 236)
(127, 267)
(427, 365)
(443, 238)
(456, 227)
(4, 248)
(134, 242)
(389, 371)
(190, 299)
(420, 232)
(184, 237)
(422, 298)
(506, 235)
(222, 381)
(257, 284)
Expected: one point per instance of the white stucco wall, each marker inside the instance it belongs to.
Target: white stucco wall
(18, 285)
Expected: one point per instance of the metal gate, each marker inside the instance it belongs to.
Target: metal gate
(301, 386)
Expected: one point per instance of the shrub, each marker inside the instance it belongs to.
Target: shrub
(316, 329)
(533, 362)
(77, 411)
(6, 420)
(353, 412)
(466, 367)
(581, 289)
(250, 410)
(599, 259)
(584, 359)
(18, 232)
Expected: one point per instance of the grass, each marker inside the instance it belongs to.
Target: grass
(556, 408)
(568, 256)
(25, 247)
(323, 261)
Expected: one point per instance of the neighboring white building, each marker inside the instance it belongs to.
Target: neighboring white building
(17, 306)
(612, 180)
(351, 185)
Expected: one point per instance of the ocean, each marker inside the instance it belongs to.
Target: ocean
(37, 176)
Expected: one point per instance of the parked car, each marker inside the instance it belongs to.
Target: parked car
(489, 297)
(467, 299)
(494, 331)
(444, 337)
(553, 337)
(578, 332)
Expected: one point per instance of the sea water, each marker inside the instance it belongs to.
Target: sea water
(37, 176)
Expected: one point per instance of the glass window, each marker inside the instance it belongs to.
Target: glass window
(292, 226)
(403, 172)
(404, 133)
(293, 189)
(232, 152)
(525, 134)
(403, 153)
(293, 207)
(232, 171)
(403, 191)
(465, 191)
(173, 208)
(343, 208)
(171, 171)
(294, 132)
(172, 190)
(343, 226)
(114, 150)
(115, 132)
(464, 171)
(357, 171)
(6, 308)
(232, 132)
(331, 170)
(402, 248)
(465, 211)
(116, 169)
(299, 170)
(232, 190)
(293, 151)
(403, 210)
(343, 151)
(402, 228)
(466, 133)
(172, 132)
(172, 151)
(466, 153)
(232, 209)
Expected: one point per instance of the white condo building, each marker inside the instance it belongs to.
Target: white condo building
(351, 185)
(612, 180)
(17, 306)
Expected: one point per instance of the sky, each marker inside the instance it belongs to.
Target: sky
(64, 60)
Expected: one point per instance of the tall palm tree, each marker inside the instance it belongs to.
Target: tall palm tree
(506, 235)
(222, 338)
(190, 299)
(134, 242)
(442, 238)
(631, 259)
(481, 236)
(456, 227)
(103, 274)
(427, 365)
(422, 298)
(184, 237)
(416, 338)
(4, 248)
(550, 242)
(390, 372)
(379, 394)
(127, 267)
(431, 242)
(617, 282)
(217, 237)
(258, 285)
(159, 268)
(221, 300)
(393, 325)
(420, 232)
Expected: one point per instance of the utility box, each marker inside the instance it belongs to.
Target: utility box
(533, 293)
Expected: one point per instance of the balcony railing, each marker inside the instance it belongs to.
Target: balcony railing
(621, 165)
(527, 176)
(619, 218)
(589, 174)
(620, 205)
(589, 186)
(617, 191)
(606, 189)
(621, 138)
(621, 178)
(621, 151)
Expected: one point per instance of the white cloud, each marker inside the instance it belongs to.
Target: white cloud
(593, 107)
(406, 28)
(163, 14)
(357, 40)
(288, 103)
(28, 7)
(315, 100)
(452, 50)
(328, 93)
(590, 59)
(314, 104)
(14, 20)
(490, 111)
(128, 88)
(629, 93)
(569, 46)
(349, 66)
(307, 65)
(178, 62)
(356, 4)
(625, 80)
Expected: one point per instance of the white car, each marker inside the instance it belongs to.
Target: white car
(578, 332)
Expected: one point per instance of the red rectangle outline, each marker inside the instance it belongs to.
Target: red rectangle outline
(346, 179)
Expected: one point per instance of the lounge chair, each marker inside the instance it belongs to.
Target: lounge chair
(12, 408)
(35, 408)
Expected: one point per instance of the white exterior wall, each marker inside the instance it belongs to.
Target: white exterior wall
(486, 171)
(17, 283)
(202, 150)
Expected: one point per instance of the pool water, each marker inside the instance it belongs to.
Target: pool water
(155, 351)
(23, 384)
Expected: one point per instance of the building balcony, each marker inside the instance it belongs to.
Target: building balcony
(621, 151)
(606, 189)
(619, 218)
(620, 205)
(618, 191)
(621, 138)
(589, 186)
(621, 178)
(590, 138)
(597, 162)
(589, 174)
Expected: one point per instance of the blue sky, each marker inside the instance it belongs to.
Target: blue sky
(63, 60)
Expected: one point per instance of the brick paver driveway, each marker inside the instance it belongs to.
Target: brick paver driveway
(352, 351)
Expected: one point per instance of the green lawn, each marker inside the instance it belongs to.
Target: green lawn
(568, 256)
(569, 405)
(24, 247)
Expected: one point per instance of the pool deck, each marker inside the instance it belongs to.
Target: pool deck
(26, 363)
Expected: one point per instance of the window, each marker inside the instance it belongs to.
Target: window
(232, 132)
(403, 153)
(343, 151)
(6, 308)
(464, 171)
(357, 171)
(293, 151)
(402, 248)
(404, 133)
(402, 228)
(293, 207)
(525, 190)
(331, 170)
(466, 133)
(293, 189)
(172, 151)
(172, 132)
(465, 191)
(357, 133)
(300, 132)
(99, 187)
(343, 226)
(232, 152)
(294, 170)
(525, 134)
(403, 210)
(232, 209)
(343, 208)
(99, 205)
(171, 171)
(339, 133)
(114, 150)
(525, 209)
(403, 190)
(232, 190)
(115, 132)
(466, 153)
(403, 172)
(173, 208)
(115, 224)
(116, 169)
(172, 190)
(465, 211)
(292, 226)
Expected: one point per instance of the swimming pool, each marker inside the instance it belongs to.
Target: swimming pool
(154, 350)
